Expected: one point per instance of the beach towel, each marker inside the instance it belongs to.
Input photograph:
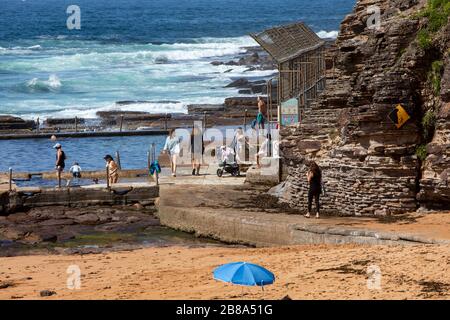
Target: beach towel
(155, 167)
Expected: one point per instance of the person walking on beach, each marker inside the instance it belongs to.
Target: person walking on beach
(262, 113)
(172, 147)
(113, 169)
(314, 177)
(197, 149)
(60, 162)
(75, 170)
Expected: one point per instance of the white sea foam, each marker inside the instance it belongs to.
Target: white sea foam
(52, 84)
(87, 112)
(102, 74)
(35, 47)
(328, 34)
(53, 81)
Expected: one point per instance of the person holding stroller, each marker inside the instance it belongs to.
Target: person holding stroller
(314, 177)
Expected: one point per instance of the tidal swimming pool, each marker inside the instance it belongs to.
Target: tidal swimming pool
(37, 155)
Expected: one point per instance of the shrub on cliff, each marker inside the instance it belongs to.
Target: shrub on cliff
(428, 125)
(434, 76)
(421, 152)
(437, 13)
(424, 39)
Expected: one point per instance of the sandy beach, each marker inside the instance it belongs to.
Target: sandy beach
(302, 272)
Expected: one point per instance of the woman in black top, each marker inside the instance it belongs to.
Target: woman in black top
(60, 162)
(315, 187)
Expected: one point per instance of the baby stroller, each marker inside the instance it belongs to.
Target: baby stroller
(228, 162)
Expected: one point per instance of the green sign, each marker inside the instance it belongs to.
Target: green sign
(289, 112)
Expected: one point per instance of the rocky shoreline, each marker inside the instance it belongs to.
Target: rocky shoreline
(371, 166)
(61, 223)
(88, 230)
(230, 112)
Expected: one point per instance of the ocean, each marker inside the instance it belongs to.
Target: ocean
(156, 51)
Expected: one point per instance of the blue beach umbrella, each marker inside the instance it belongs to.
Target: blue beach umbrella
(244, 274)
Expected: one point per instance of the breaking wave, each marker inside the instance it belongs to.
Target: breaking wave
(52, 84)
(328, 34)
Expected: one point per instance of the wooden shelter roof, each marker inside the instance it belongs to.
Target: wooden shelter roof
(287, 42)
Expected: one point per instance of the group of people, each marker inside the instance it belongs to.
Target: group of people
(240, 142)
(173, 149)
(75, 169)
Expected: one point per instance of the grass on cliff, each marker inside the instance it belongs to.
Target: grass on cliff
(421, 152)
(428, 125)
(435, 75)
(437, 13)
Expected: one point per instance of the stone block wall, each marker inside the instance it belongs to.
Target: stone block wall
(369, 165)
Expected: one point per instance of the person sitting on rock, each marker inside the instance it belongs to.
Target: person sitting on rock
(113, 169)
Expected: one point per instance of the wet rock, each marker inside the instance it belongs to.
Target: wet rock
(63, 121)
(201, 108)
(56, 222)
(138, 206)
(87, 219)
(47, 293)
(239, 83)
(49, 235)
(250, 69)
(15, 123)
(132, 219)
(12, 233)
(241, 101)
(6, 284)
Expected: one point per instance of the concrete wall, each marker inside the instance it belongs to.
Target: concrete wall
(260, 229)
(229, 214)
(36, 197)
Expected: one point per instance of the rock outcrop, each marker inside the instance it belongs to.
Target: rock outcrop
(15, 123)
(369, 165)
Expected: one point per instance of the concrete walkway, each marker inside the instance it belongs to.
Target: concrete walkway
(231, 210)
(208, 176)
(237, 213)
(4, 184)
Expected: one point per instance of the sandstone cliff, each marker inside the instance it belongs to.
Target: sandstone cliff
(370, 166)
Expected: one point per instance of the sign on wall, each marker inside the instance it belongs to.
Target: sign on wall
(399, 116)
(289, 112)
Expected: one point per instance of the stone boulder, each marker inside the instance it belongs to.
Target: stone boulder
(15, 123)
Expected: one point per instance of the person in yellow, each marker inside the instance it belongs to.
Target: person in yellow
(113, 169)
